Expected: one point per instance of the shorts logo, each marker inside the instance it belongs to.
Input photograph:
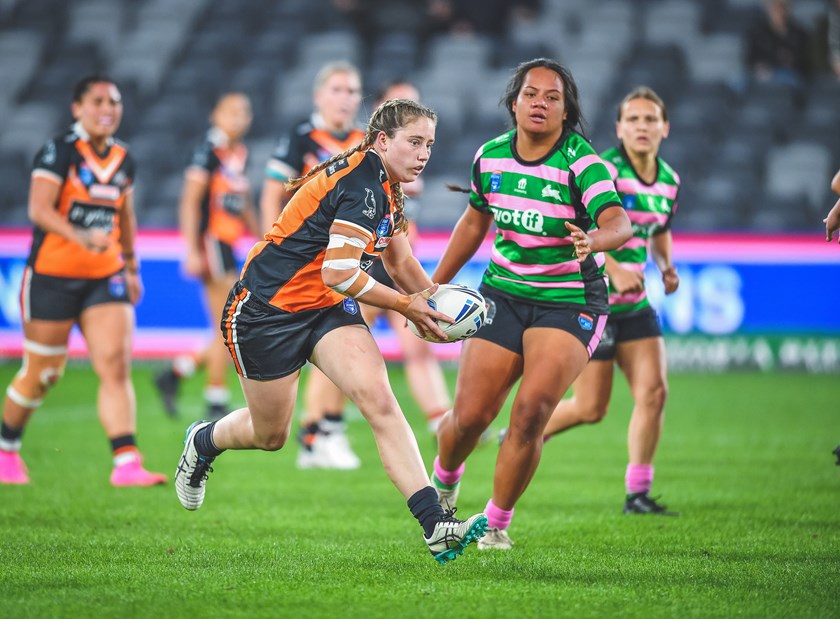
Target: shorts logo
(116, 286)
(491, 311)
(586, 322)
(370, 203)
(350, 307)
(495, 181)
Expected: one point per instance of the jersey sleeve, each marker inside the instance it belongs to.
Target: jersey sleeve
(52, 161)
(477, 199)
(203, 161)
(130, 169)
(593, 180)
(360, 203)
(287, 159)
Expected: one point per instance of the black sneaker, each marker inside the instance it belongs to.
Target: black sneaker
(641, 503)
(836, 452)
(167, 383)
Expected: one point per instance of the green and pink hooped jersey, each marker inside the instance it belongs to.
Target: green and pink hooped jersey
(533, 256)
(650, 208)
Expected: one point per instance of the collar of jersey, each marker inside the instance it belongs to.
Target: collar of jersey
(77, 128)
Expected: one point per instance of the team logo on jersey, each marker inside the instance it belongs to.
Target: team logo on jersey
(116, 286)
(85, 175)
(495, 181)
(351, 307)
(336, 166)
(551, 192)
(629, 201)
(586, 322)
(370, 204)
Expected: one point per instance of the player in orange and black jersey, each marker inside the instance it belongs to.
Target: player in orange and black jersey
(330, 130)
(296, 300)
(215, 213)
(424, 374)
(81, 270)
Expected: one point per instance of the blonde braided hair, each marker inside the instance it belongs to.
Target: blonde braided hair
(391, 116)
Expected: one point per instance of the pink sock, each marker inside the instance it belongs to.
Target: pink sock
(448, 477)
(498, 517)
(639, 478)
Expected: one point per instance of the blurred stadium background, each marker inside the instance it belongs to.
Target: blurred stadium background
(752, 156)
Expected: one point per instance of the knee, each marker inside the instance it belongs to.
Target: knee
(113, 367)
(529, 417)
(38, 374)
(592, 412)
(271, 441)
(655, 397)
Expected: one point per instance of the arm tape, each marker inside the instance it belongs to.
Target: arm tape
(340, 240)
(343, 286)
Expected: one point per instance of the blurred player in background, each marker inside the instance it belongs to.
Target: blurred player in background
(81, 270)
(832, 225)
(215, 213)
(425, 376)
(546, 190)
(633, 339)
(337, 95)
(297, 300)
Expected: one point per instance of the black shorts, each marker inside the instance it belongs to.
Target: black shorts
(44, 297)
(267, 343)
(625, 327)
(507, 320)
(220, 258)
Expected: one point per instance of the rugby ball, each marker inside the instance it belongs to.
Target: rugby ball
(462, 303)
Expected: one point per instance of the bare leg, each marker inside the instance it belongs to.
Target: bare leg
(350, 357)
(485, 376)
(592, 391)
(425, 376)
(108, 329)
(46, 333)
(322, 397)
(543, 384)
(266, 422)
(643, 363)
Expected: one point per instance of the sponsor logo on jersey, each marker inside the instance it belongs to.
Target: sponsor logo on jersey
(522, 186)
(532, 220)
(351, 307)
(104, 192)
(629, 201)
(365, 265)
(551, 192)
(370, 204)
(586, 322)
(495, 181)
(85, 215)
(571, 152)
(49, 155)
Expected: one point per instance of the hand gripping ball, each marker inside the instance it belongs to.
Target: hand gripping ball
(462, 303)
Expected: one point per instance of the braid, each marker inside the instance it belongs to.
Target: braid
(400, 220)
(294, 183)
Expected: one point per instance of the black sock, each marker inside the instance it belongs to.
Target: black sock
(126, 440)
(9, 433)
(204, 444)
(425, 507)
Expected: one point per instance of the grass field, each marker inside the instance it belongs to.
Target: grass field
(745, 458)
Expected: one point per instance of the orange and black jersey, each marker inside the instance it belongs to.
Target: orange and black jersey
(222, 167)
(308, 145)
(93, 191)
(285, 269)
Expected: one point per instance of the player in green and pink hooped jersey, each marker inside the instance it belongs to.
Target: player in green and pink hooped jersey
(556, 211)
(633, 339)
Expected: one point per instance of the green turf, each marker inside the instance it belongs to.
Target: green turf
(745, 458)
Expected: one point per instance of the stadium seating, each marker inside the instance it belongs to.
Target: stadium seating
(734, 144)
